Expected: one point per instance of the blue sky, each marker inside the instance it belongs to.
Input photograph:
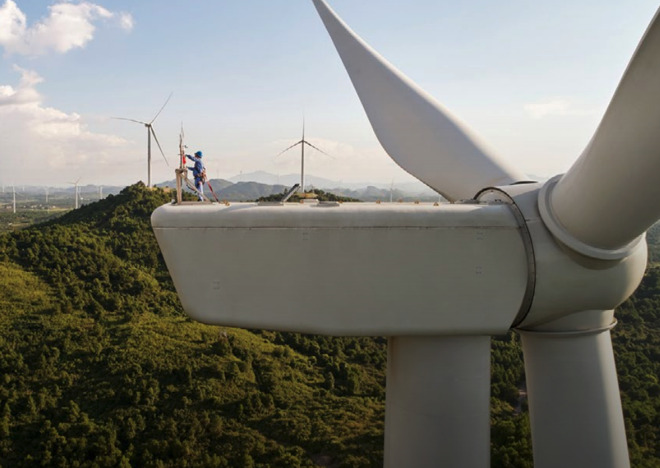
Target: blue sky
(531, 78)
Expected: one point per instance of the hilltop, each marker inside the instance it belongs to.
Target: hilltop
(100, 366)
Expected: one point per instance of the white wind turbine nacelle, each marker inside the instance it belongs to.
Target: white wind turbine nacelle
(439, 280)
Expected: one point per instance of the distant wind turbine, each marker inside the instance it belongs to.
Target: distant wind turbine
(302, 142)
(150, 131)
(75, 184)
(13, 190)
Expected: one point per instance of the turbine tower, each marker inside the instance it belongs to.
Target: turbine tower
(150, 132)
(302, 142)
(549, 260)
(76, 193)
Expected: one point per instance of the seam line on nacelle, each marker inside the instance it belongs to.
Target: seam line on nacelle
(528, 297)
(562, 333)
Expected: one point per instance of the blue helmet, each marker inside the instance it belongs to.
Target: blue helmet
(198, 154)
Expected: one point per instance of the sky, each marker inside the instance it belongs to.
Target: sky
(532, 79)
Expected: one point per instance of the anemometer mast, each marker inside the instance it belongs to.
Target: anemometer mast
(550, 261)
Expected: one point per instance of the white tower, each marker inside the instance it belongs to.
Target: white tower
(551, 261)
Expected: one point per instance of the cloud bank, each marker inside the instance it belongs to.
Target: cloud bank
(553, 106)
(34, 135)
(39, 143)
(67, 26)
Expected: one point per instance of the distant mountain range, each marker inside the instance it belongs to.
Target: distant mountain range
(409, 188)
(251, 186)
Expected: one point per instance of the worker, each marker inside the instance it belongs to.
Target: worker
(199, 173)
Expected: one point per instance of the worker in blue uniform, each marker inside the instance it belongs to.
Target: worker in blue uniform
(199, 173)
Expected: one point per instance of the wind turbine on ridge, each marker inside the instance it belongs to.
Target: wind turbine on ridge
(302, 142)
(150, 132)
(76, 196)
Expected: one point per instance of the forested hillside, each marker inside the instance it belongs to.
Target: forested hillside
(99, 365)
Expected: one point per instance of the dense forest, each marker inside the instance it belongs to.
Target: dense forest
(100, 366)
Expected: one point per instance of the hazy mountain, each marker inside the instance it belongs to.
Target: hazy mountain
(409, 189)
(248, 191)
(252, 190)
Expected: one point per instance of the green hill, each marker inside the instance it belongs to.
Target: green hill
(99, 365)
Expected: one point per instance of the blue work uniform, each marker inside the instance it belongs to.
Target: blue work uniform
(197, 171)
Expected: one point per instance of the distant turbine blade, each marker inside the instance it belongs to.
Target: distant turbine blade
(161, 109)
(131, 120)
(287, 149)
(317, 149)
(415, 130)
(158, 143)
(611, 195)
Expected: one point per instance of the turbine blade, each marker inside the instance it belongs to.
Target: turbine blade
(161, 109)
(611, 194)
(418, 133)
(158, 143)
(317, 149)
(131, 120)
(287, 149)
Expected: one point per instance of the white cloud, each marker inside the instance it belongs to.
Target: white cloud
(126, 21)
(46, 140)
(553, 106)
(68, 26)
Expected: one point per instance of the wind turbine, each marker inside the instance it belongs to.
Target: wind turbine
(549, 260)
(75, 185)
(13, 191)
(302, 142)
(150, 132)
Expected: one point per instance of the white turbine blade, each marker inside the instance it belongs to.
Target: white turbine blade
(611, 195)
(317, 149)
(131, 120)
(287, 149)
(158, 143)
(415, 130)
(161, 109)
